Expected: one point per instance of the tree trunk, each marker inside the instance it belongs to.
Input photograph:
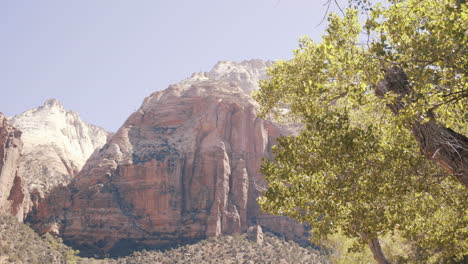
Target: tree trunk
(375, 248)
(437, 142)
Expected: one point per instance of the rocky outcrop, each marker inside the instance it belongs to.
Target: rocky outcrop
(184, 167)
(255, 234)
(13, 195)
(57, 143)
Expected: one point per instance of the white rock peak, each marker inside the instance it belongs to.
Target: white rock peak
(234, 80)
(57, 143)
(53, 103)
(245, 74)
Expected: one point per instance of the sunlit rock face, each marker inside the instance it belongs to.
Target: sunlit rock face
(13, 195)
(185, 166)
(57, 143)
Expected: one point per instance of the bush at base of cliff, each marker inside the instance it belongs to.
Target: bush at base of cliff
(20, 244)
(230, 249)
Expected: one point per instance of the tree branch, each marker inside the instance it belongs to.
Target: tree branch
(437, 142)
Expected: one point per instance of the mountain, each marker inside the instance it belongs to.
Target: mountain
(184, 167)
(13, 195)
(57, 143)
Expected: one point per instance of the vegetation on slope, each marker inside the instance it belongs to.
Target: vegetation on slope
(230, 249)
(20, 244)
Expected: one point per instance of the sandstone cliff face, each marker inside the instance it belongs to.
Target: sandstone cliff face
(185, 166)
(57, 143)
(13, 195)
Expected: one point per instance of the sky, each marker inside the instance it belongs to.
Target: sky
(101, 58)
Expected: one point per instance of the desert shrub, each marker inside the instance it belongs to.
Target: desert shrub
(236, 248)
(20, 244)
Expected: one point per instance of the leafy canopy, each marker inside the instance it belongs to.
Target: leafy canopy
(354, 167)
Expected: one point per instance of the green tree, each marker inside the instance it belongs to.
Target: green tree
(366, 107)
(422, 47)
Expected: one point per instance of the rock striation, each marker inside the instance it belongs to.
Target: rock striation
(57, 143)
(184, 167)
(13, 195)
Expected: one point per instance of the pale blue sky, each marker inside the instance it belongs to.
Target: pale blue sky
(102, 57)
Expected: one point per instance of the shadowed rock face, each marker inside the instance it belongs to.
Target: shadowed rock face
(185, 166)
(13, 195)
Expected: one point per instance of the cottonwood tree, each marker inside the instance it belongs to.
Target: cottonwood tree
(368, 102)
(422, 48)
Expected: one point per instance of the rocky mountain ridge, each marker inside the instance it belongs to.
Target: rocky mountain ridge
(57, 143)
(184, 167)
(245, 75)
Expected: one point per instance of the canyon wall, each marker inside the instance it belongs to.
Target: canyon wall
(13, 194)
(183, 167)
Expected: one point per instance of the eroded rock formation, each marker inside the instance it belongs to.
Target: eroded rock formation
(57, 143)
(13, 195)
(185, 166)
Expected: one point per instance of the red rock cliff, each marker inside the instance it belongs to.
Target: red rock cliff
(13, 195)
(185, 166)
